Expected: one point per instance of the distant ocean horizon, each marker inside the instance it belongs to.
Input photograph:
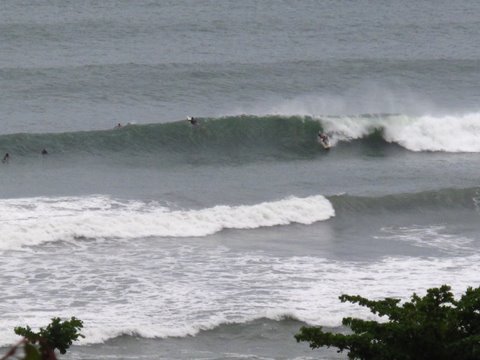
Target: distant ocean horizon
(220, 239)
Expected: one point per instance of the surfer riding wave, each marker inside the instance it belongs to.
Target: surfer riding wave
(324, 140)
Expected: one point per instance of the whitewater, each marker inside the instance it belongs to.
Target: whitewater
(35, 221)
(449, 133)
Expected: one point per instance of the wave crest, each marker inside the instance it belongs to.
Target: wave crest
(35, 221)
(424, 133)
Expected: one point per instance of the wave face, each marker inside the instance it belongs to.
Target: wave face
(248, 135)
(35, 221)
(433, 200)
(257, 136)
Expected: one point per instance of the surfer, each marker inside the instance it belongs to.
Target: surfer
(118, 125)
(323, 138)
(44, 152)
(192, 120)
(6, 158)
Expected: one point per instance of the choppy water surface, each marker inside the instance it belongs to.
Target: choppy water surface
(219, 240)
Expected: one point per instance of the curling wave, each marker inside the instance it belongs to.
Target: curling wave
(424, 133)
(257, 136)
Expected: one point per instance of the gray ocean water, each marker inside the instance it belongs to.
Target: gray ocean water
(219, 240)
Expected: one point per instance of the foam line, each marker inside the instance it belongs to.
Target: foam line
(37, 220)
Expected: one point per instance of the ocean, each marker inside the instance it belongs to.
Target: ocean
(219, 240)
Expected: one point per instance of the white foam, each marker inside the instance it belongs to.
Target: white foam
(159, 288)
(204, 289)
(432, 236)
(37, 220)
(425, 133)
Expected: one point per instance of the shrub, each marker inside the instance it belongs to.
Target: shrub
(433, 327)
(57, 335)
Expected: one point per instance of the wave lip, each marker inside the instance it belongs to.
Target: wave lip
(38, 220)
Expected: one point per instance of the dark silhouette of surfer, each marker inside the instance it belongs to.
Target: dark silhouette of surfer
(44, 152)
(192, 120)
(6, 158)
(324, 139)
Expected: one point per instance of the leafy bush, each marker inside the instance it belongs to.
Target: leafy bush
(433, 327)
(57, 335)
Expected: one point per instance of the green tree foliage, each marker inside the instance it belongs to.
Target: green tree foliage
(433, 327)
(41, 345)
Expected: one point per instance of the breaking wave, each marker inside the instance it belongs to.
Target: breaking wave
(34, 221)
(257, 136)
(424, 133)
